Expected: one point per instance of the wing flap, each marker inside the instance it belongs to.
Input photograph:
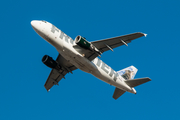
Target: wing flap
(117, 93)
(136, 82)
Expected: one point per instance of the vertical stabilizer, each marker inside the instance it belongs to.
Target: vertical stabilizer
(128, 73)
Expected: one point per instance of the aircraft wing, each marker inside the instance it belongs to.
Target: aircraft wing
(108, 44)
(55, 76)
(111, 43)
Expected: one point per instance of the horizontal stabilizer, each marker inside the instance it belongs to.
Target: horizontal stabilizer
(136, 82)
(117, 93)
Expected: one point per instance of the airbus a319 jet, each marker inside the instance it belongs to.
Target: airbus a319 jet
(84, 55)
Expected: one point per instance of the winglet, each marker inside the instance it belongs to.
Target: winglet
(145, 34)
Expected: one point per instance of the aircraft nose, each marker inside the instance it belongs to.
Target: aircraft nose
(34, 23)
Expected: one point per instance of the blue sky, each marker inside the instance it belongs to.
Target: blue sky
(82, 96)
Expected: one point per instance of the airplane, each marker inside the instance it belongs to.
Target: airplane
(84, 55)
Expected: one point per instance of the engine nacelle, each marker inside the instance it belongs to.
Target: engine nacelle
(82, 42)
(48, 61)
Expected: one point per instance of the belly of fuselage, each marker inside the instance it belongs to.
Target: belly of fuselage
(71, 55)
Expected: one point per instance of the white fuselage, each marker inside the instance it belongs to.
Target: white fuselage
(64, 45)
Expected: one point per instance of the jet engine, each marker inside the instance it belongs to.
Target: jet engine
(82, 42)
(48, 61)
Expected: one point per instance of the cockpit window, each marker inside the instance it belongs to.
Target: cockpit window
(44, 21)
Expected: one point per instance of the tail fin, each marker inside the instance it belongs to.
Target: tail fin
(128, 73)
